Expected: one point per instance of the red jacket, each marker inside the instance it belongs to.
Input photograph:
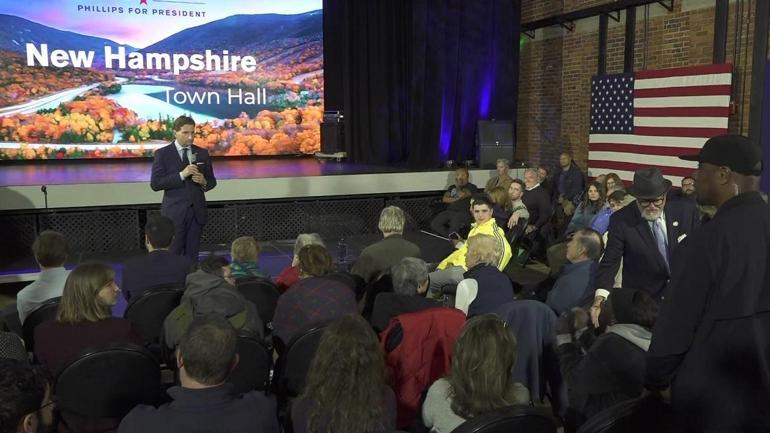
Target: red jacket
(423, 355)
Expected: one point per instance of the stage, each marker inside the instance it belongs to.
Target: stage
(89, 183)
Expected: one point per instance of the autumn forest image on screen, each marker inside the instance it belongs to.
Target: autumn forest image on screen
(107, 79)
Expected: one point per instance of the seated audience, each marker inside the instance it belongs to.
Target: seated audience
(205, 401)
(50, 250)
(381, 256)
(569, 183)
(575, 285)
(452, 268)
(484, 287)
(615, 201)
(245, 254)
(347, 390)
(611, 369)
(410, 282)
(480, 378)
(290, 274)
(12, 347)
(592, 202)
(159, 267)
(314, 298)
(211, 291)
(457, 199)
(537, 200)
(544, 178)
(84, 318)
(516, 207)
(500, 205)
(687, 192)
(612, 183)
(502, 179)
(26, 404)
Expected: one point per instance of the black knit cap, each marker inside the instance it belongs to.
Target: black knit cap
(622, 300)
(740, 154)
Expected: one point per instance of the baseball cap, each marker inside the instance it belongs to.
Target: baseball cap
(736, 152)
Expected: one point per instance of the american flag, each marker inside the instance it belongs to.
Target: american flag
(649, 118)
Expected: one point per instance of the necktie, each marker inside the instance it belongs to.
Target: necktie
(185, 159)
(660, 240)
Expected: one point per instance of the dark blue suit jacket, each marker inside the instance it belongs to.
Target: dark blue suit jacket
(178, 195)
(630, 238)
(156, 268)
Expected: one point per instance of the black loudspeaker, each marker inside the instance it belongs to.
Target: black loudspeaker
(331, 133)
(495, 141)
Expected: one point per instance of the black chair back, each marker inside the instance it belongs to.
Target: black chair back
(45, 312)
(149, 310)
(108, 381)
(294, 364)
(382, 283)
(510, 419)
(263, 293)
(255, 365)
(642, 415)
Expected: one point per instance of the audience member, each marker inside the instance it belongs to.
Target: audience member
(211, 291)
(346, 389)
(710, 344)
(26, 404)
(516, 206)
(575, 285)
(687, 187)
(314, 298)
(687, 192)
(569, 182)
(452, 268)
(205, 401)
(645, 237)
(545, 180)
(381, 256)
(84, 318)
(50, 250)
(593, 201)
(12, 347)
(480, 378)
(290, 274)
(410, 282)
(537, 201)
(484, 287)
(502, 179)
(500, 205)
(245, 254)
(159, 267)
(609, 370)
(612, 183)
(457, 199)
(617, 200)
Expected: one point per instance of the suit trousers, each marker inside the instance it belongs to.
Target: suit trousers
(187, 236)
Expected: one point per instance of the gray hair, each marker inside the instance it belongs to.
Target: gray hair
(591, 241)
(304, 239)
(408, 274)
(392, 220)
(504, 161)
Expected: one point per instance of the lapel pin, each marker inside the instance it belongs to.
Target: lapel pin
(675, 224)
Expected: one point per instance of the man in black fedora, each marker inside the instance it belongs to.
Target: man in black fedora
(711, 343)
(644, 235)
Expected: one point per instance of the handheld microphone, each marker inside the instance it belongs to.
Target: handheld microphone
(193, 157)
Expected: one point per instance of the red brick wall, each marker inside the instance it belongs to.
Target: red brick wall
(554, 83)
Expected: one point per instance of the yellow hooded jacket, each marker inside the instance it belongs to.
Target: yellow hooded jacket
(457, 258)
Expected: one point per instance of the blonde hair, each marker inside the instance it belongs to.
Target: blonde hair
(245, 249)
(79, 301)
(482, 249)
(304, 239)
(392, 220)
(499, 195)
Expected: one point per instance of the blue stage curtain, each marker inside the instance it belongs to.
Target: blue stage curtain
(420, 73)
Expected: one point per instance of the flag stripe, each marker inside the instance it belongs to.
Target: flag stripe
(648, 160)
(683, 101)
(627, 176)
(631, 166)
(688, 70)
(683, 111)
(644, 150)
(681, 122)
(685, 81)
(689, 142)
(661, 92)
(680, 132)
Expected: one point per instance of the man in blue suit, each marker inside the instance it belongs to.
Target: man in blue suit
(184, 173)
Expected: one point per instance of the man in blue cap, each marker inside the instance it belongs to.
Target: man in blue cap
(711, 343)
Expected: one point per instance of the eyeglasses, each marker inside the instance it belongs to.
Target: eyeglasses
(657, 202)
